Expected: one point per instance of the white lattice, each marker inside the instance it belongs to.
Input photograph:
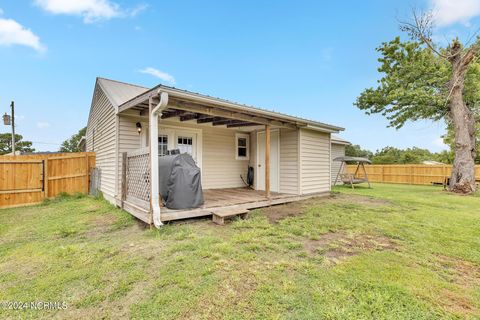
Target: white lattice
(138, 175)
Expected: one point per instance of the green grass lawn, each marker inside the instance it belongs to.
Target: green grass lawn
(393, 251)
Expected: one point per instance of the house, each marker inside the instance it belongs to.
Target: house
(338, 150)
(291, 156)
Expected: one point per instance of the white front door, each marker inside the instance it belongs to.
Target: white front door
(186, 142)
(274, 161)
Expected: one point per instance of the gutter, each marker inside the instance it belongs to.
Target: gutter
(154, 175)
(322, 129)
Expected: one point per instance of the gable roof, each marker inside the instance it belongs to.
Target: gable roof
(119, 92)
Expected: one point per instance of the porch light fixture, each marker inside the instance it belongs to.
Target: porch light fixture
(139, 127)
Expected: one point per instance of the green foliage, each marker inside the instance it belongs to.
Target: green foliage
(445, 156)
(413, 86)
(20, 145)
(392, 155)
(71, 145)
(354, 150)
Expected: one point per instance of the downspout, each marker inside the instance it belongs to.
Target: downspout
(154, 179)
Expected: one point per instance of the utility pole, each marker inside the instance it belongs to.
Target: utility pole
(13, 127)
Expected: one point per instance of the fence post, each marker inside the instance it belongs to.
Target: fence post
(45, 178)
(124, 178)
(411, 174)
(87, 175)
(383, 174)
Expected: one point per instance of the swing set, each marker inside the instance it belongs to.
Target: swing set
(352, 178)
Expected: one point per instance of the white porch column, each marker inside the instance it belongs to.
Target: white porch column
(154, 179)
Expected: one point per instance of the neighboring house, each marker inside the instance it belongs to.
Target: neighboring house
(338, 150)
(223, 137)
(432, 163)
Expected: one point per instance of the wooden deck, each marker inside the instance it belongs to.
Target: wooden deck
(233, 198)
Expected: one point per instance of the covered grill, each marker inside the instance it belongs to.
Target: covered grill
(180, 182)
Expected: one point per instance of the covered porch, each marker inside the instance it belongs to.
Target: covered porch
(164, 105)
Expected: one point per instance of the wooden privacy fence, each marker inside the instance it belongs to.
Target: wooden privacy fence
(408, 173)
(29, 179)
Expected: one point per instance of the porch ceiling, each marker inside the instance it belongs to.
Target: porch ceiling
(188, 106)
(182, 111)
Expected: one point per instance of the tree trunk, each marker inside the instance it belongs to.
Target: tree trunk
(463, 172)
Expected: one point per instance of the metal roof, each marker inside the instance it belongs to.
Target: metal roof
(120, 93)
(337, 140)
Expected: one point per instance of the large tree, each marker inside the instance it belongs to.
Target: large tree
(71, 145)
(354, 150)
(20, 145)
(424, 81)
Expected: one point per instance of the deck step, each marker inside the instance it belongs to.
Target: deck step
(219, 216)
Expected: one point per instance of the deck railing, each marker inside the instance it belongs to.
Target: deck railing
(136, 177)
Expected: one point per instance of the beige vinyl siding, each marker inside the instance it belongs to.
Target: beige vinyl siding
(128, 140)
(288, 161)
(314, 161)
(338, 150)
(220, 168)
(100, 136)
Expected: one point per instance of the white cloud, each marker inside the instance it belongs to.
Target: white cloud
(137, 10)
(91, 10)
(448, 12)
(159, 74)
(43, 125)
(13, 33)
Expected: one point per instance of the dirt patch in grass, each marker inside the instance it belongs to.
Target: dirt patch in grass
(282, 211)
(454, 303)
(336, 246)
(361, 200)
(461, 272)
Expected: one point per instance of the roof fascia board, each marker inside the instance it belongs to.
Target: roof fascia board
(321, 129)
(346, 143)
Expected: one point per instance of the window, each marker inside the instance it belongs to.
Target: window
(242, 145)
(184, 144)
(162, 144)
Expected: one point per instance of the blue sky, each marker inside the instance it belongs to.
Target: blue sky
(306, 58)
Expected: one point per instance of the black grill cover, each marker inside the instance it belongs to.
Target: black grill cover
(180, 182)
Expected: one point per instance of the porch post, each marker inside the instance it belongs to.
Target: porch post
(267, 160)
(154, 177)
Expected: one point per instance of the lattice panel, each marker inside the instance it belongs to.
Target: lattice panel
(138, 176)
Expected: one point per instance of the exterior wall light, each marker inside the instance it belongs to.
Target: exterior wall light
(139, 127)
